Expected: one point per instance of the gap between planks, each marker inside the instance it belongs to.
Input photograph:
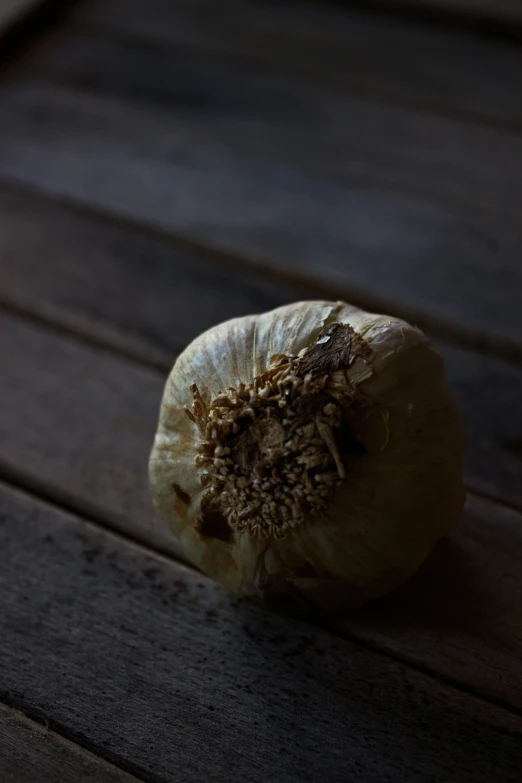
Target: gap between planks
(212, 106)
(183, 298)
(30, 750)
(309, 229)
(161, 644)
(102, 460)
(335, 44)
(338, 628)
(316, 287)
(52, 496)
(160, 368)
(103, 521)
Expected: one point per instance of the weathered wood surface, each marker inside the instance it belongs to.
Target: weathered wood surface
(30, 753)
(149, 298)
(350, 138)
(258, 178)
(391, 58)
(137, 292)
(459, 617)
(77, 425)
(425, 262)
(156, 669)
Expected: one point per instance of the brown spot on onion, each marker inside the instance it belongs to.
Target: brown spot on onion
(182, 495)
(212, 523)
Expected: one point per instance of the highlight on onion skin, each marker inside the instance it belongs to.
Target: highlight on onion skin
(309, 456)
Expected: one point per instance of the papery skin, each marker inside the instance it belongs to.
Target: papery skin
(397, 500)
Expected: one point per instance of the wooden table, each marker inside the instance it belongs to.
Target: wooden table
(164, 166)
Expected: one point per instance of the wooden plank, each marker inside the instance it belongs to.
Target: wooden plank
(30, 752)
(185, 677)
(142, 295)
(489, 394)
(462, 164)
(77, 426)
(459, 617)
(404, 61)
(137, 292)
(453, 274)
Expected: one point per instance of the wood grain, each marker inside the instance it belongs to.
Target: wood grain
(459, 617)
(425, 262)
(140, 293)
(461, 164)
(29, 753)
(158, 670)
(76, 425)
(397, 59)
(146, 297)
(142, 661)
(76, 422)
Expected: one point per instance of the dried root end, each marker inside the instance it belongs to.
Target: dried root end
(269, 452)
